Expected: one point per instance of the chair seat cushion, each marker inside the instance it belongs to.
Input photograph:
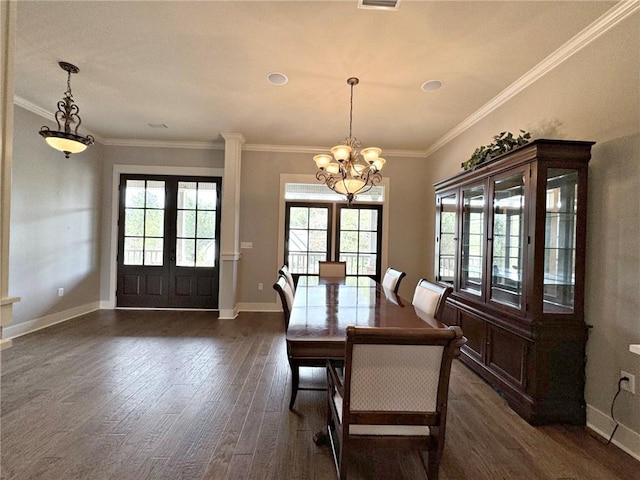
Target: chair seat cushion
(389, 430)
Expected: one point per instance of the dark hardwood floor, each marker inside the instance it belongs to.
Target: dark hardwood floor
(133, 395)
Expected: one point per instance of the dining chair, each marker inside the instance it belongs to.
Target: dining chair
(431, 298)
(284, 270)
(393, 393)
(286, 294)
(283, 287)
(392, 279)
(332, 269)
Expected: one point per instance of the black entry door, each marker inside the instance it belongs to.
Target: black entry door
(168, 242)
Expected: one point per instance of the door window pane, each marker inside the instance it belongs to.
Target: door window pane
(207, 196)
(187, 195)
(135, 193)
(205, 253)
(185, 252)
(154, 223)
(155, 194)
(133, 250)
(134, 222)
(196, 224)
(153, 251)
(144, 222)
(473, 200)
(508, 240)
(206, 224)
(560, 240)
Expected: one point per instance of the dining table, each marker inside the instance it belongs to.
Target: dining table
(323, 307)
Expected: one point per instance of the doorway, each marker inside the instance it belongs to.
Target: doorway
(168, 241)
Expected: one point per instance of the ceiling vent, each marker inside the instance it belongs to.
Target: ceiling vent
(379, 4)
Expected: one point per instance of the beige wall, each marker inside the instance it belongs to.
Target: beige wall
(55, 224)
(260, 201)
(594, 95)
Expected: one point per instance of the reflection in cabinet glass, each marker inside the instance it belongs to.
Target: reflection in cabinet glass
(447, 239)
(560, 239)
(472, 239)
(508, 240)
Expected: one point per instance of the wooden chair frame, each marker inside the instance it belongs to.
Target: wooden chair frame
(282, 286)
(342, 442)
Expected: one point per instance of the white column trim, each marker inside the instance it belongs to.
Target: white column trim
(8, 15)
(230, 226)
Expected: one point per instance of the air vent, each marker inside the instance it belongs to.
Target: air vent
(379, 4)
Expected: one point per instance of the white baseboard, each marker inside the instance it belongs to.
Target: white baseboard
(625, 438)
(259, 307)
(107, 305)
(22, 328)
(228, 314)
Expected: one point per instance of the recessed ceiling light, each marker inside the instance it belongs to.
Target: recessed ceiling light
(431, 85)
(277, 78)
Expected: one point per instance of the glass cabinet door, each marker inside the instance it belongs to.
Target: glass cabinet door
(508, 240)
(560, 240)
(447, 240)
(473, 203)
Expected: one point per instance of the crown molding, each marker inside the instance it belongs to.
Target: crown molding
(126, 142)
(608, 20)
(310, 150)
(247, 147)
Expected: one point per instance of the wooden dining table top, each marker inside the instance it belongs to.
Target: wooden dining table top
(324, 307)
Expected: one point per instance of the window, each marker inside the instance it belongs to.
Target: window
(307, 239)
(311, 235)
(358, 239)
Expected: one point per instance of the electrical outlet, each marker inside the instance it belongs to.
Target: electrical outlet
(260, 286)
(61, 292)
(630, 385)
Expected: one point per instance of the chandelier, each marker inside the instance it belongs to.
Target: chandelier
(348, 171)
(63, 139)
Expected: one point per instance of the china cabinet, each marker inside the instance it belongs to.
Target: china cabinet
(510, 241)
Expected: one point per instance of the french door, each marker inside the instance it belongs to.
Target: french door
(324, 231)
(168, 242)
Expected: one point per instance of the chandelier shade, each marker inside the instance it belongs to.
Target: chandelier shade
(64, 139)
(348, 171)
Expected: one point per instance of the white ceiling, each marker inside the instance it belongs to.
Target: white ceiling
(201, 67)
